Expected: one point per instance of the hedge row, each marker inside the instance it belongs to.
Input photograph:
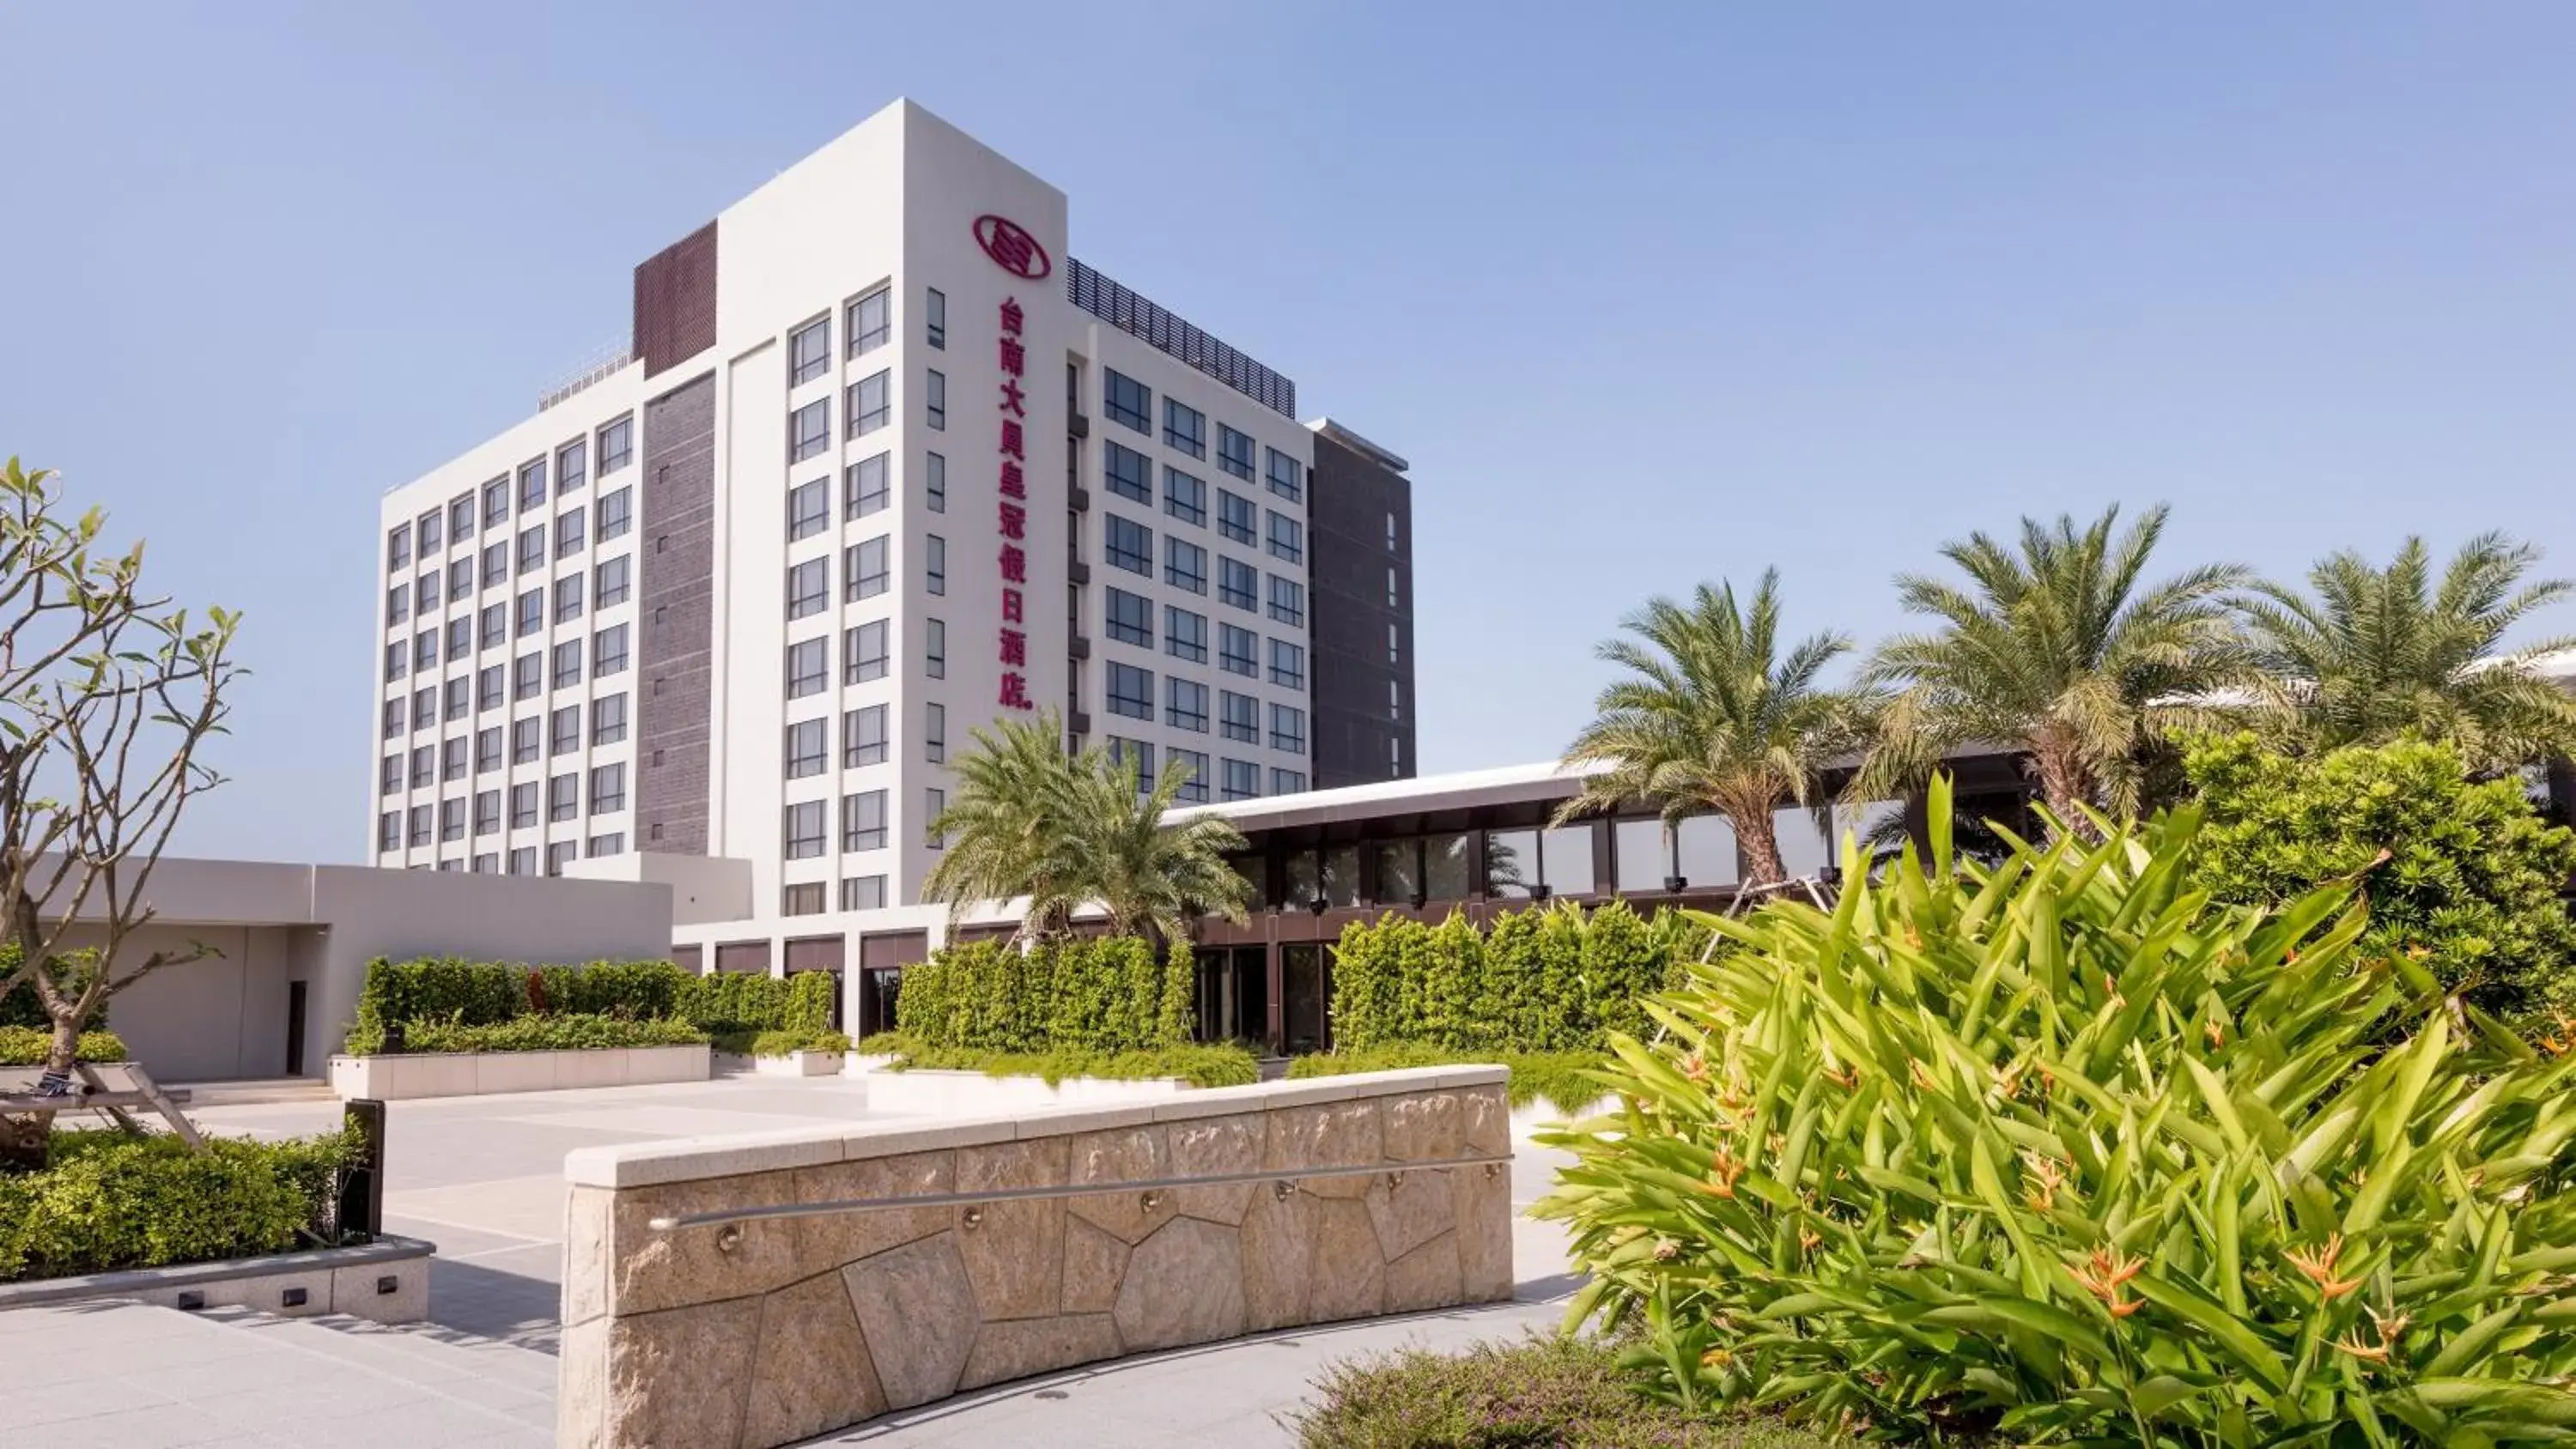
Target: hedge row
(559, 1032)
(449, 995)
(1220, 1064)
(1548, 979)
(27, 1046)
(1086, 995)
(109, 1201)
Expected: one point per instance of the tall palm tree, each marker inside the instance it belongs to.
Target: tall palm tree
(2376, 653)
(2060, 648)
(1710, 717)
(1071, 830)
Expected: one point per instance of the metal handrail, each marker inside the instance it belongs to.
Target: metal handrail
(1285, 1180)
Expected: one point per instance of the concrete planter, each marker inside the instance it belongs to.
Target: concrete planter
(793, 1064)
(929, 1093)
(472, 1074)
(386, 1281)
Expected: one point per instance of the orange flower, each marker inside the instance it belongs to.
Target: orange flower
(2106, 1275)
(1695, 1067)
(2319, 1267)
(1723, 1169)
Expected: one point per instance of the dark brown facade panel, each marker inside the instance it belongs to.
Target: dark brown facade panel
(675, 659)
(1360, 734)
(675, 302)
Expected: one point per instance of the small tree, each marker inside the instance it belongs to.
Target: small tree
(106, 696)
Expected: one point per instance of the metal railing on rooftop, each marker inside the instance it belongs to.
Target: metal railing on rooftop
(603, 361)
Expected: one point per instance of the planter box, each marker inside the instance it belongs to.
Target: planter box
(472, 1074)
(931, 1093)
(386, 1281)
(794, 1064)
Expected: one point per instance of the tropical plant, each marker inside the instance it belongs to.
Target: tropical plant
(2462, 874)
(2061, 648)
(2371, 654)
(1710, 716)
(1069, 830)
(2061, 1151)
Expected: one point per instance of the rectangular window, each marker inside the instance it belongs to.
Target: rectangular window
(452, 759)
(1242, 780)
(616, 446)
(1287, 664)
(1184, 634)
(523, 805)
(863, 821)
(496, 503)
(935, 564)
(934, 318)
(1287, 782)
(863, 892)
(396, 661)
(809, 352)
(935, 804)
(934, 483)
(1236, 517)
(397, 604)
(607, 790)
(572, 466)
(865, 568)
(568, 533)
(809, 587)
(1129, 545)
(424, 708)
(1128, 473)
(934, 733)
(1184, 565)
(493, 627)
(806, 673)
(1185, 704)
(394, 716)
(608, 720)
(613, 843)
(804, 830)
(460, 697)
(805, 899)
(1192, 767)
(424, 649)
(935, 401)
(934, 648)
(1128, 402)
(568, 598)
(567, 670)
(871, 321)
(864, 489)
(608, 652)
(424, 766)
(523, 860)
(1137, 758)
(806, 751)
(863, 653)
(460, 580)
(526, 740)
(1237, 583)
(615, 512)
(1131, 618)
(1288, 728)
(870, 404)
(487, 813)
(451, 821)
(460, 638)
(1286, 475)
(532, 549)
(1234, 451)
(1131, 691)
(563, 797)
(1287, 538)
(1393, 599)
(428, 592)
(389, 780)
(1237, 650)
(1287, 600)
(1185, 497)
(398, 547)
(1394, 649)
(1184, 428)
(428, 531)
(1238, 716)
(809, 509)
(532, 486)
(496, 563)
(491, 687)
(460, 518)
(809, 430)
(863, 737)
(487, 749)
(608, 583)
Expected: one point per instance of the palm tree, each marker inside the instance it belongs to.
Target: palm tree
(1071, 830)
(2377, 653)
(2057, 647)
(1710, 717)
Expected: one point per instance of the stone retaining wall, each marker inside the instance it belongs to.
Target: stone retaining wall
(766, 1332)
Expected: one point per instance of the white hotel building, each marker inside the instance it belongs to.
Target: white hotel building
(884, 463)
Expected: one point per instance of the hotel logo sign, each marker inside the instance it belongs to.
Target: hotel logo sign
(1011, 247)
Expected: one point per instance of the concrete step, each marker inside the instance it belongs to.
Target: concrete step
(428, 1354)
(252, 1092)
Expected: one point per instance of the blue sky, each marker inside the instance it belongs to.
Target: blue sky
(1648, 295)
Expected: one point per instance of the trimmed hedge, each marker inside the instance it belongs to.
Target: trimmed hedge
(445, 1000)
(1097, 995)
(1547, 979)
(1224, 1064)
(110, 1201)
(562, 1032)
(735, 1001)
(778, 1043)
(27, 1046)
(1563, 1080)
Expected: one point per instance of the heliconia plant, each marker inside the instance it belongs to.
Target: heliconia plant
(2061, 1153)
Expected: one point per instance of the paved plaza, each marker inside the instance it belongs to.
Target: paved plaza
(482, 1177)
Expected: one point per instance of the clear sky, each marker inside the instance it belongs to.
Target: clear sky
(1647, 295)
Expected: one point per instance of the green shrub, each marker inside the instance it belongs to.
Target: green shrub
(1547, 979)
(781, 1043)
(110, 1201)
(644, 990)
(2472, 877)
(1567, 1081)
(1541, 1393)
(20, 1006)
(26, 1046)
(2061, 1151)
(1224, 1064)
(1103, 994)
(559, 1033)
(739, 1001)
(443, 992)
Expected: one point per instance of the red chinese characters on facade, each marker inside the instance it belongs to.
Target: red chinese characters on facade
(1013, 517)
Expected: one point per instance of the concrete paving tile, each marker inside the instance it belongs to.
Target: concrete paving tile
(145, 1426)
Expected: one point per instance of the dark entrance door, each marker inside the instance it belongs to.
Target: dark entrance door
(295, 1028)
(1306, 993)
(1234, 994)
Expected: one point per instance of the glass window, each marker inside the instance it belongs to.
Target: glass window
(1185, 497)
(802, 900)
(567, 671)
(1511, 863)
(866, 568)
(809, 352)
(608, 583)
(496, 502)
(864, 488)
(934, 564)
(863, 893)
(1184, 565)
(1192, 767)
(934, 482)
(1288, 728)
(1184, 634)
(1128, 403)
(398, 546)
(863, 737)
(487, 750)
(451, 759)
(1234, 517)
(397, 604)
(863, 653)
(394, 715)
(608, 651)
(1184, 428)
(427, 591)
(1137, 758)
(870, 403)
(809, 509)
(1239, 716)
(934, 318)
(532, 485)
(496, 563)
(568, 598)
(934, 732)
(451, 822)
(424, 649)
(572, 466)
(806, 751)
(1287, 476)
(1131, 690)
(1242, 779)
(1128, 473)
(1287, 538)
(1639, 854)
(487, 813)
(525, 743)
(935, 401)
(523, 860)
(460, 518)
(563, 797)
(460, 702)
(616, 446)
(809, 430)
(1445, 876)
(871, 321)
(1186, 704)
(1565, 860)
(607, 791)
(1287, 600)
(1131, 618)
(805, 668)
(809, 587)
(1341, 884)
(615, 513)
(460, 579)
(1399, 872)
(608, 720)
(863, 820)
(429, 533)
(934, 804)
(804, 829)
(934, 648)
(491, 688)
(493, 627)
(1237, 583)
(1129, 545)
(1237, 650)
(1803, 851)
(1304, 879)
(532, 549)
(1234, 451)
(1287, 664)
(389, 830)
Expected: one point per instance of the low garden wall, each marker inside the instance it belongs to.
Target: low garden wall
(766, 1331)
(386, 1281)
(467, 1074)
(928, 1092)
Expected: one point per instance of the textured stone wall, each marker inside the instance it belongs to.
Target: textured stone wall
(768, 1332)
